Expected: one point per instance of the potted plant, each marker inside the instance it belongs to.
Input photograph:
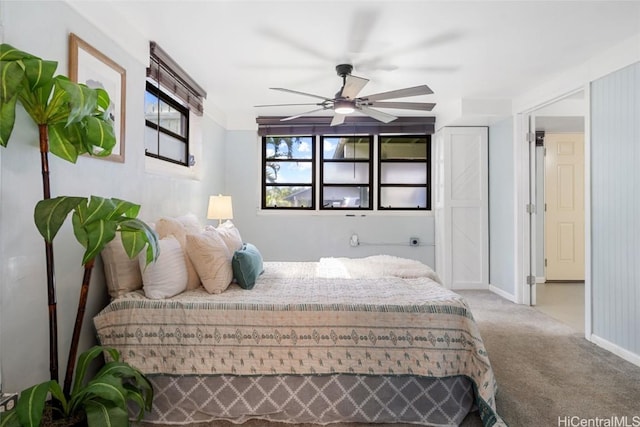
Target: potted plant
(95, 223)
(96, 402)
(72, 119)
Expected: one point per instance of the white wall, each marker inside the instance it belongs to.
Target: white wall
(309, 236)
(23, 297)
(502, 207)
(615, 211)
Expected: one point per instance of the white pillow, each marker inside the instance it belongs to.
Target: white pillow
(168, 226)
(231, 236)
(121, 272)
(167, 276)
(212, 260)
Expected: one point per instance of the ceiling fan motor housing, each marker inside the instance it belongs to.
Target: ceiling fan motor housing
(344, 70)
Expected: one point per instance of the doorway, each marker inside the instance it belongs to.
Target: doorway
(559, 241)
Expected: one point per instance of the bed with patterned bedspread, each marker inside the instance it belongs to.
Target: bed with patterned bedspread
(376, 339)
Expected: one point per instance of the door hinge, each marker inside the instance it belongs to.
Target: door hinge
(531, 208)
(531, 280)
(545, 262)
(531, 137)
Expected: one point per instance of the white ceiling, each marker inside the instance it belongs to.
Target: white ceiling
(237, 49)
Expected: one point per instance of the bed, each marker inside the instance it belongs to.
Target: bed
(372, 340)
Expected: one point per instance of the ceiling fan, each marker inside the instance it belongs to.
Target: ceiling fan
(346, 100)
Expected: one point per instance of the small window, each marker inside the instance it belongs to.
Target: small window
(404, 172)
(167, 127)
(346, 172)
(288, 178)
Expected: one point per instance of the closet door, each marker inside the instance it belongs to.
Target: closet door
(461, 207)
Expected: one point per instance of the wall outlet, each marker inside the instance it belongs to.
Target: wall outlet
(8, 401)
(354, 241)
(414, 241)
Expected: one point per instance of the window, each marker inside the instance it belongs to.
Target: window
(171, 95)
(377, 167)
(288, 172)
(346, 172)
(404, 171)
(167, 131)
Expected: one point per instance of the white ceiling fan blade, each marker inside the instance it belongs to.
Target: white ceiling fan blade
(352, 86)
(300, 93)
(400, 93)
(378, 115)
(338, 119)
(302, 114)
(423, 106)
(286, 105)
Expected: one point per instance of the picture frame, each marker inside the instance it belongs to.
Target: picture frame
(90, 66)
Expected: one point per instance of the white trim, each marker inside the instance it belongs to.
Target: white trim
(616, 349)
(588, 302)
(540, 279)
(504, 294)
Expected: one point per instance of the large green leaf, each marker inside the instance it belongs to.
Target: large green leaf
(50, 214)
(135, 235)
(99, 233)
(100, 134)
(82, 99)
(10, 53)
(125, 208)
(105, 414)
(106, 388)
(31, 404)
(11, 77)
(85, 360)
(39, 72)
(56, 393)
(9, 419)
(7, 119)
(60, 144)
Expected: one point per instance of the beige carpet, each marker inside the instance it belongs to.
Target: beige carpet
(545, 371)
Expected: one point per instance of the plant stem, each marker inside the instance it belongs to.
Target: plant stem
(51, 282)
(77, 327)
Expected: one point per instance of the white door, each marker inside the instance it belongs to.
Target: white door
(564, 200)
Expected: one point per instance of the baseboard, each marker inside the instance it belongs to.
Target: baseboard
(540, 279)
(464, 286)
(616, 349)
(504, 294)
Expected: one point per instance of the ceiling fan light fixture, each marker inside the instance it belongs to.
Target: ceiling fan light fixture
(343, 107)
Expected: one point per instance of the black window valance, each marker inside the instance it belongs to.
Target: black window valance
(169, 74)
(272, 125)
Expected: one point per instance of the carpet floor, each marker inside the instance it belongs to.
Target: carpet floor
(547, 373)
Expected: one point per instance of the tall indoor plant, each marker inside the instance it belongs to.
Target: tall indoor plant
(72, 119)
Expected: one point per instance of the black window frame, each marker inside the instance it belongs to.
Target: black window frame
(427, 185)
(183, 110)
(265, 184)
(368, 161)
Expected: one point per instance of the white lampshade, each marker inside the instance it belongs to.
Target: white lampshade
(220, 207)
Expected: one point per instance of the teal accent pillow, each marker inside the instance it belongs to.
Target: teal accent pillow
(247, 265)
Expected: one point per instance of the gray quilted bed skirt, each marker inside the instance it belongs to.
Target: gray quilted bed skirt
(320, 399)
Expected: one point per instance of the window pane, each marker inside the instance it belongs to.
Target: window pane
(403, 173)
(395, 147)
(290, 147)
(172, 148)
(403, 197)
(150, 140)
(345, 197)
(159, 112)
(346, 173)
(356, 148)
(288, 197)
(289, 172)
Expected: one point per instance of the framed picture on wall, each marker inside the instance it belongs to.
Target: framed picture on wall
(89, 66)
